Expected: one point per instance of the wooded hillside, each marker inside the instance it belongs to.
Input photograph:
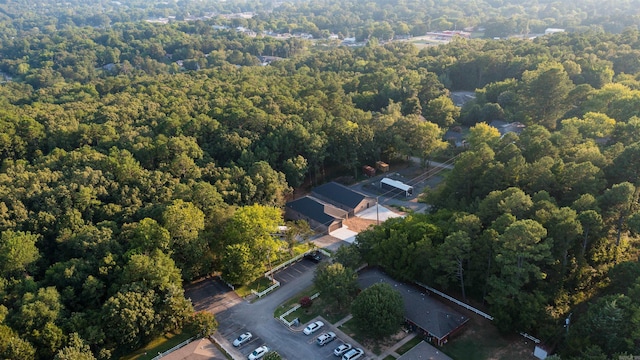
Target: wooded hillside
(118, 183)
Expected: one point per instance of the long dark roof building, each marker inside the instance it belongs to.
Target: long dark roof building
(343, 197)
(320, 215)
(436, 319)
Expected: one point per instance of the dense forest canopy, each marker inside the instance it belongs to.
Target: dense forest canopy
(137, 155)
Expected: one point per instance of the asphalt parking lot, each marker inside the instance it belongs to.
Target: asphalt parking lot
(326, 351)
(212, 295)
(295, 271)
(237, 316)
(231, 333)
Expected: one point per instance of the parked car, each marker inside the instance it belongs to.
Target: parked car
(313, 327)
(258, 353)
(340, 350)
(243, 338)
(326, 338)
(353, 354)
(314, 256)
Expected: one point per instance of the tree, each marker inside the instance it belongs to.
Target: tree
(482, 133)
(544, 92)
(130, 318)
(416, 137)
(76, 349)
(512, 201)
(519, 254)
(202, 323)
(618, 202)
(378, 310)
(614, 315)
(18, 252)
(454, 253)
(146, 236)
(348, 256)
(13, 347)
(441, 111)
(250, 242)
(184, 222)
(297, 231)
(238, 264)
(592, 224)
(336, 283)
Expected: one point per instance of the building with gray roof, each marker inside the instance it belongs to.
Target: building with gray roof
(343, 197)
(434, 319)
(424, 351)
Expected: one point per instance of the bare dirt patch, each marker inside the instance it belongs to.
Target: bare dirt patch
(481, 340)
(358, 224)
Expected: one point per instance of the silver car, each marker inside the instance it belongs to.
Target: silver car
(243, 338)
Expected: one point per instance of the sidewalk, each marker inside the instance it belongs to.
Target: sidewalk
(392, 350)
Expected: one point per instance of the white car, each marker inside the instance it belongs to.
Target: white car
(243, 338)
(326, 338)
(258, 353)
(342, 349)
(353, 354)
(313, 327)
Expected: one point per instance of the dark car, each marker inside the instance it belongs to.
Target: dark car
(314, 256)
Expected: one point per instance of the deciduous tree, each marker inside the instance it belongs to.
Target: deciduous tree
(378, 310)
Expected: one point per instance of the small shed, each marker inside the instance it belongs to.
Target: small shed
(396, 186)
(368, 171)
(382, 166)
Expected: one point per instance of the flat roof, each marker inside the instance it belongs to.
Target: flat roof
(424, 351)
(397, 184)
(420, 308)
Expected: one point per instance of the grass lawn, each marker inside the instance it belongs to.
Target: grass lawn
(409, 345)
(158, 345)
(471, 349)
(389, 357)
(260, 284)
(294, 300)
(352, 330)
(318, 308)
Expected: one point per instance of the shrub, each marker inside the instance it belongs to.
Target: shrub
(306, 302)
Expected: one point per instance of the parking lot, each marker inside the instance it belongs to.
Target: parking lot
(232, 333)
(237, 316)
(303, 346)
(295, 271)
(212, 295)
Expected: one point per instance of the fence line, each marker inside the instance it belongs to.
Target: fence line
(530, 337)
(173, 349)
(268, 290)
(468, 307)
(294, 308)
(225, 281)
(292, 260)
